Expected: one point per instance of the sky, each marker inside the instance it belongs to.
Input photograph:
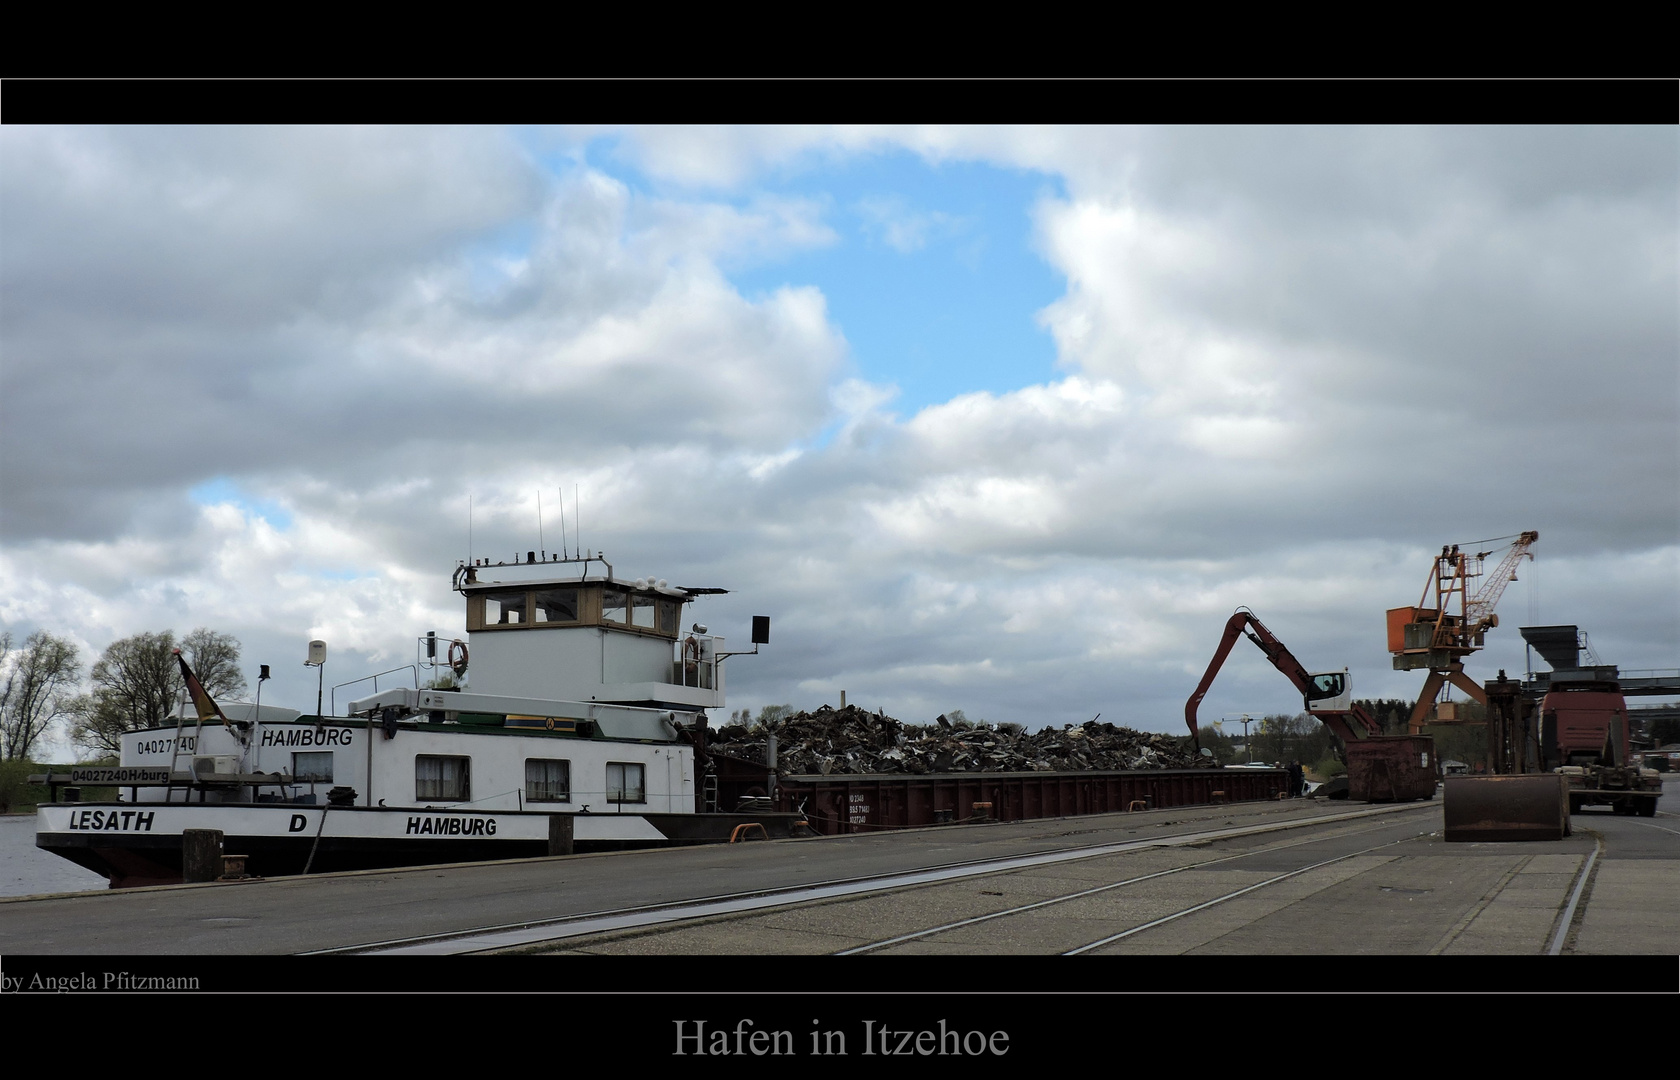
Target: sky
(1000, 419)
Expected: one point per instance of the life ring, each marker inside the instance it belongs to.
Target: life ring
(458, 657)
(691, 658)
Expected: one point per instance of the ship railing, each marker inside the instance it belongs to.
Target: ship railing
(410, 668)
(695, 664)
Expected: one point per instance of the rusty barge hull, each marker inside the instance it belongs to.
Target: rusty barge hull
(837, 804)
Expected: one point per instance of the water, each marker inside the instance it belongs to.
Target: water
(26, 870)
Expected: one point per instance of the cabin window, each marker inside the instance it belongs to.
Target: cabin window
(642, 611)
(668, 612)
(548, 780)
(313, 768)
(505, 609)
(442, 778)
(614, 605)
(626, 782)
(555, 605)
(1326, 685)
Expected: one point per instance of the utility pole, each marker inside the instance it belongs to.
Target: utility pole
(1248, 747)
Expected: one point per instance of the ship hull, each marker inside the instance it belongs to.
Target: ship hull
(141, 844)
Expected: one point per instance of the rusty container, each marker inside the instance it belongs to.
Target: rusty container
(1392, 768)
(838, 804)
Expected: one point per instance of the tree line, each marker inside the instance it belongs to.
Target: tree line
(1282, 738)
(135, 683)
(1276, 739)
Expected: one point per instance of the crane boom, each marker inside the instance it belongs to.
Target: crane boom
(1481, 607)
(1325, 695)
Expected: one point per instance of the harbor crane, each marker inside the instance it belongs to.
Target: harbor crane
(1435, 636)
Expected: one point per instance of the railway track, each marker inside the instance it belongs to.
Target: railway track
(1243, 880)
(1188, 851)
(1091, 946)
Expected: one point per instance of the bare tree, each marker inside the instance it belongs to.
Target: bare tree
(214, 658)
(771, 715)
(136, 683)
(36, 689)
(1281, 738)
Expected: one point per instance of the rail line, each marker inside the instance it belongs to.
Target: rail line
(1583, 878)
(1096, 890)
(1153, 923)
(531, 934)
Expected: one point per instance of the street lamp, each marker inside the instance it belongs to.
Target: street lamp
(1248, 747)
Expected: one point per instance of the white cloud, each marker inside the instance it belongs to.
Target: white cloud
(1294, 364)
(890, 220)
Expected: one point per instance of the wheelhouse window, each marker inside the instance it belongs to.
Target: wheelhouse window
(548, 780)
(314, 768)
(587, 604)
(505, 609)
(555, 605)
(446, 779)
(626, 782)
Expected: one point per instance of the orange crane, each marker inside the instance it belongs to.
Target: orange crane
(1432, 635)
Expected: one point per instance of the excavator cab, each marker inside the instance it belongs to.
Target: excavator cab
(1329, 692)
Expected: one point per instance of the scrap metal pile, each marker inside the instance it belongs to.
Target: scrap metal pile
(853, 740)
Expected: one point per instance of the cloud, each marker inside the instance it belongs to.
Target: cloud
(614, 327)
(890, 220)
(1292, 364)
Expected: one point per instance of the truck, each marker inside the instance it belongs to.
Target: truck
(1584, 737)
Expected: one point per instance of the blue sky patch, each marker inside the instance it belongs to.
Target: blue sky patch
(934, 281)
(221, 490)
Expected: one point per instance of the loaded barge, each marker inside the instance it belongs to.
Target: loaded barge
(572, 718)
(837, 804)
(568, 721)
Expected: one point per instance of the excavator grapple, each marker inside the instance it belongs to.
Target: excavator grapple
(1533, 806)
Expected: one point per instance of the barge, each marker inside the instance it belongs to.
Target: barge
(567, 720)
(839, 804)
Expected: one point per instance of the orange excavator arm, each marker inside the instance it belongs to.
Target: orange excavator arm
(1352, 724)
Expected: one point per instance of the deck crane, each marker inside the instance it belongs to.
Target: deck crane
(1432, 635)
(1381, 768)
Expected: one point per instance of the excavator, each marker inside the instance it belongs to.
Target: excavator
(1381, 768)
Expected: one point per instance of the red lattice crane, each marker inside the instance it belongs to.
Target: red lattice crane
(1433, 635)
